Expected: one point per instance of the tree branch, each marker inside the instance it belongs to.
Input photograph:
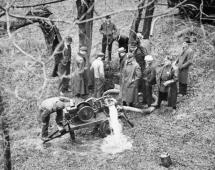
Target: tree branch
(36, 5)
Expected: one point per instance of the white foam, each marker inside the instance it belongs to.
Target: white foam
(116, 142)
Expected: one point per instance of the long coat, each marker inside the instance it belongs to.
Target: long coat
(131, 73)
(168, 73)
(79, 81)
(183, 62)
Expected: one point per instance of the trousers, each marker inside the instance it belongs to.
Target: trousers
(107, 42)
(45, 116)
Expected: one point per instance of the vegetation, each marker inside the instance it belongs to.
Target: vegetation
(188, 136)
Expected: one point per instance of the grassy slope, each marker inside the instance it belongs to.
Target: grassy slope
(188, 135)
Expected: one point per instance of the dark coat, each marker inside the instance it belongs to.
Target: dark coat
(108, 29)
(139, 55)
(149, 75)
(123, 42)
(164, 74)
(183, 62)
(64, 58)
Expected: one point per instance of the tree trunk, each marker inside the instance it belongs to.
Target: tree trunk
(136, 22)
(5, 138)
(148, 20)
(15, 24)
(85, 11)
(51, 34)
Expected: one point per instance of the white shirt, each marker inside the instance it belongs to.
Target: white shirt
(98, 67)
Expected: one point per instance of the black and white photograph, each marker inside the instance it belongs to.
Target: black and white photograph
(107, 84)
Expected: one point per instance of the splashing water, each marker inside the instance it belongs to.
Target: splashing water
(116, 142)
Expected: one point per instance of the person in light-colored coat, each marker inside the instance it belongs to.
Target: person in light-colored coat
(131, 73)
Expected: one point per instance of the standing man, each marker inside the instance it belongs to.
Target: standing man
(49, 106)
(64, 65)
(149, 75)
(99, 77)
(80, 79)
(139, 53)
(131, 73)
(166, 80)
(183, 62)
(107, 29)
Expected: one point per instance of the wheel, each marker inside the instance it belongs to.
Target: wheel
(86, 114)
(104, 129)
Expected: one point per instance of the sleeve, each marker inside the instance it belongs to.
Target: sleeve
(138, 72)
(143, 50)
(152, 76)
(189, 60)
(175, 74)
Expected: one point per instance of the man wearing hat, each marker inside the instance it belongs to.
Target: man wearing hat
(49, 106)
(131, 73)
(122, 57)
(149, 75)
(139, 54)
(167, 78)
(80, 77)
(97, 68)
(183, 62)
(107, 29)
(64, 65)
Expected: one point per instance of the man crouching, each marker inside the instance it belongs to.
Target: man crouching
(49, 106)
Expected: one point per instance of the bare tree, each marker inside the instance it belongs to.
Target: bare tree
(4, 131)
(148, 18)
(85, 11)
(136, 21)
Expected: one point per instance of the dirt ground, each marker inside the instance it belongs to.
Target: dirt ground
(188, 135)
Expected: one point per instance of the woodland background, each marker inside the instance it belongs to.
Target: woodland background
(188, 136)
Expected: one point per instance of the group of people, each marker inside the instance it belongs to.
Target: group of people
(138, 73)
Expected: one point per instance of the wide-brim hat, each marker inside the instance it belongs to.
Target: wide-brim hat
(121, 50)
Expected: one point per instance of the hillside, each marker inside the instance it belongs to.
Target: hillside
(188, 136)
